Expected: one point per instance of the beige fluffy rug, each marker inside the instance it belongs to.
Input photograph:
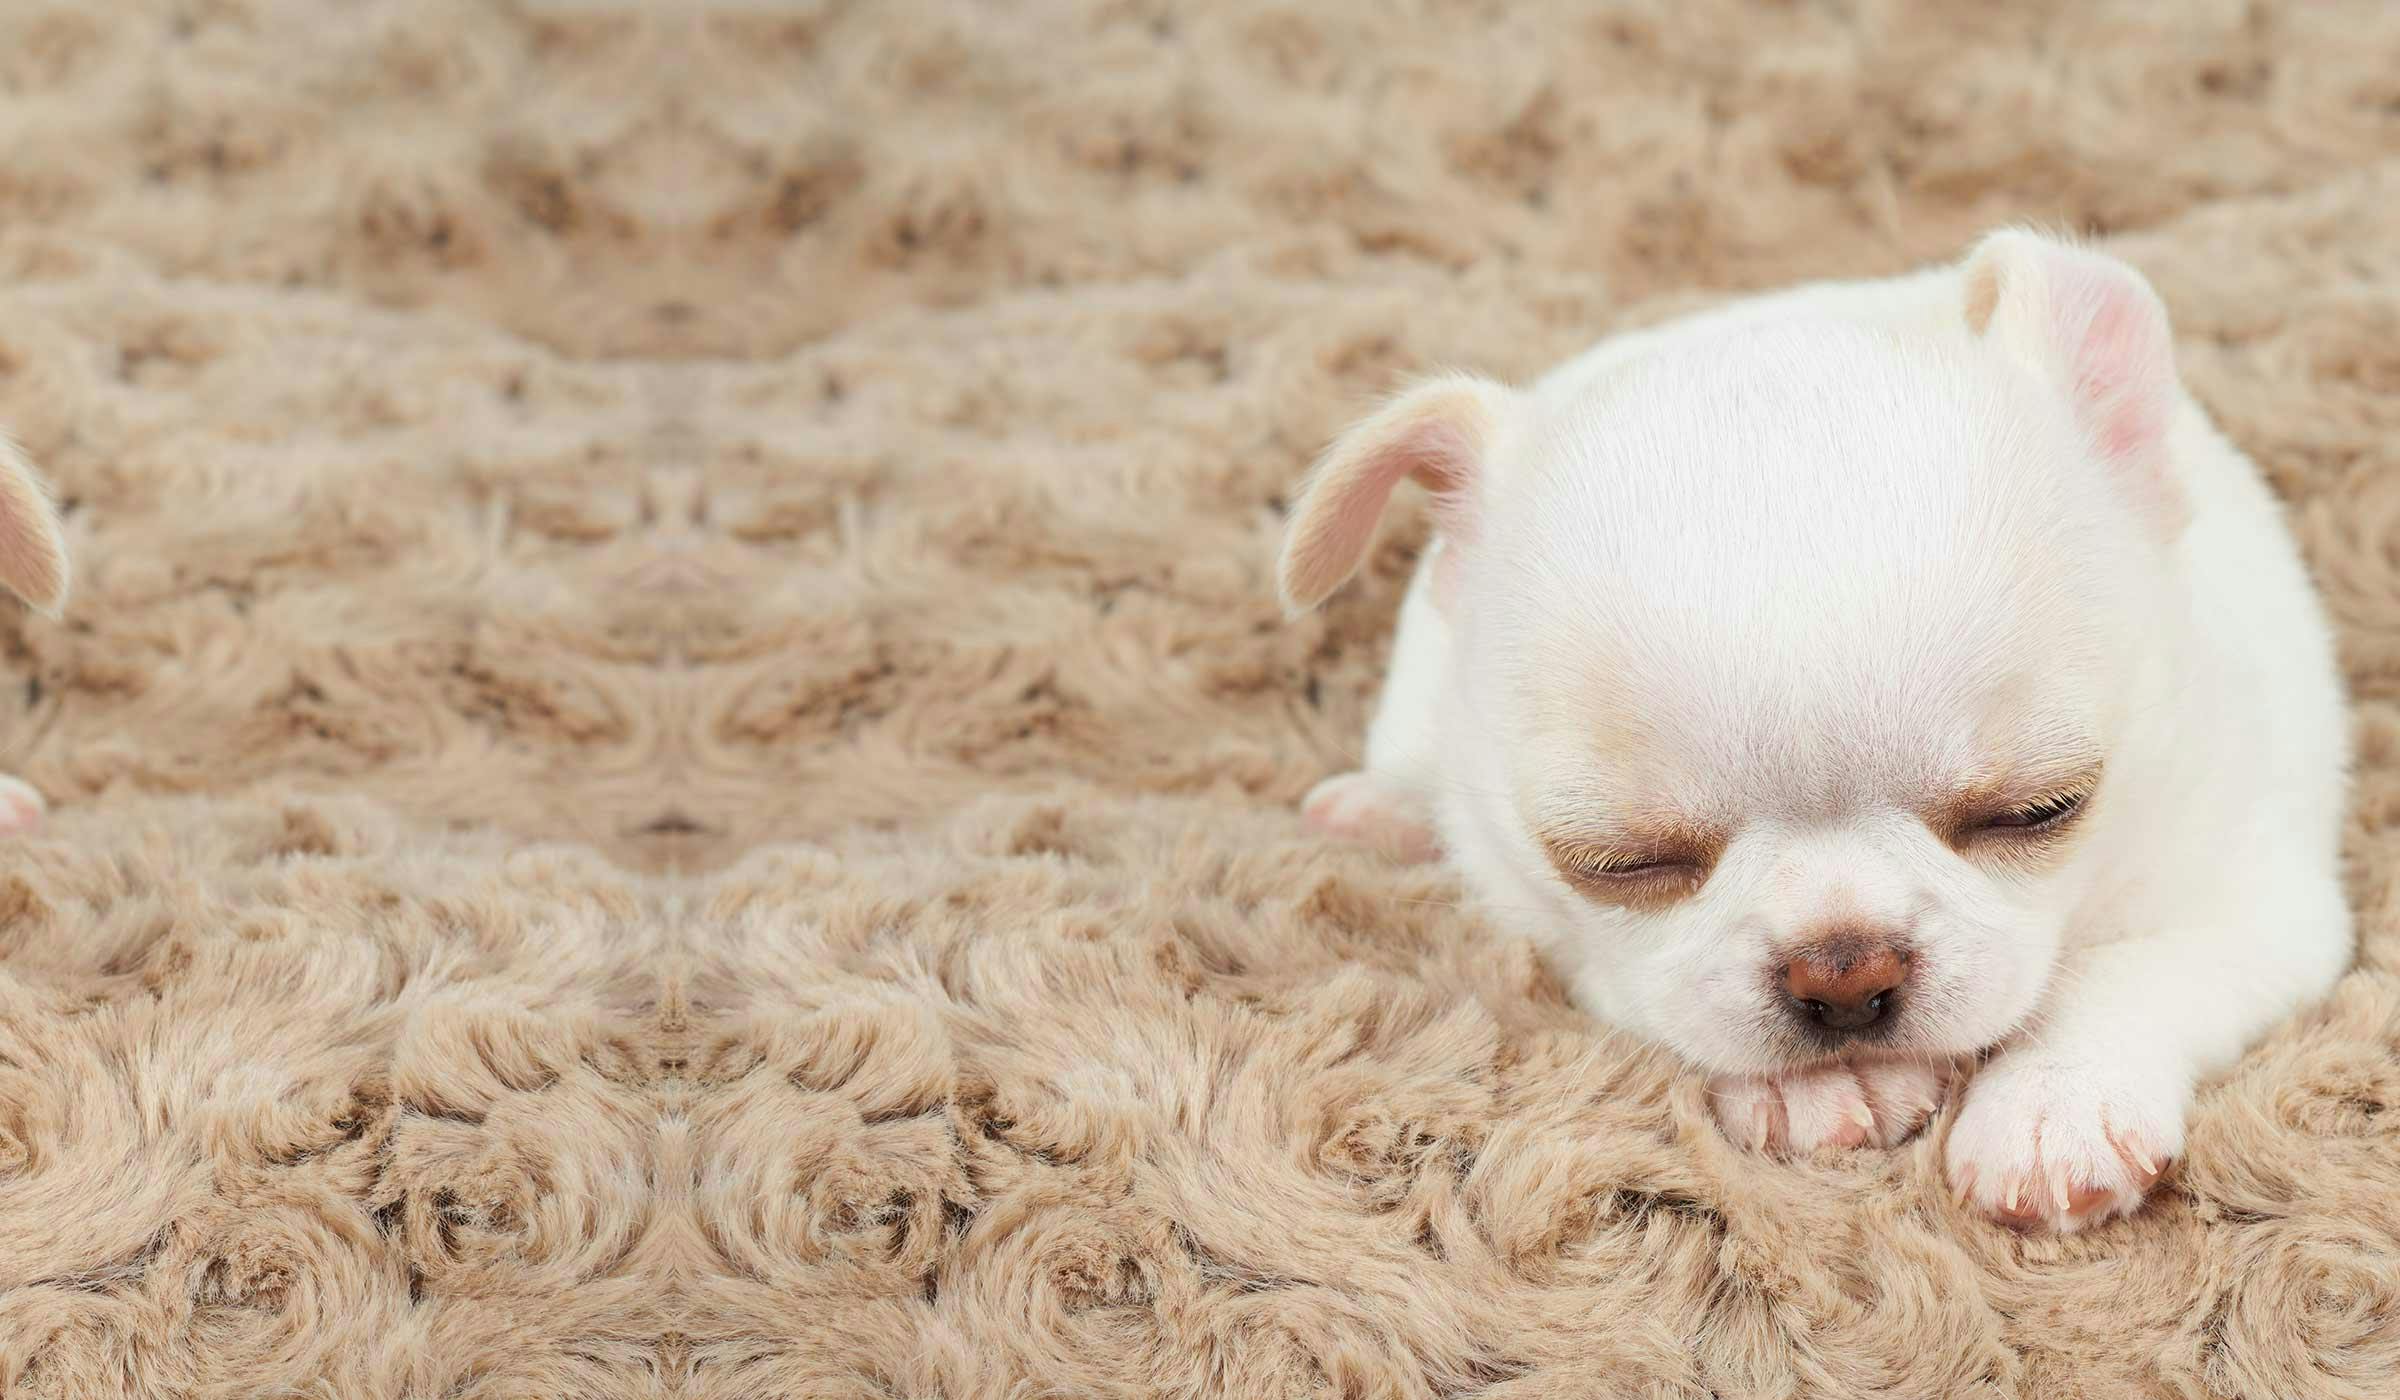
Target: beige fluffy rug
(674, 763)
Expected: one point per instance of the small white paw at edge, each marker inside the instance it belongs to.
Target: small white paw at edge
(21, 807)
(1373, 812)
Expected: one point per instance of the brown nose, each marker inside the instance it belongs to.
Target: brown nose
(1847, 983)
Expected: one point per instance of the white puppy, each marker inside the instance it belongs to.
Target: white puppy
(33, 565)
(1854, 679)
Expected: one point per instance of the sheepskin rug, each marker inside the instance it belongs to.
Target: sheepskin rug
(674, 765)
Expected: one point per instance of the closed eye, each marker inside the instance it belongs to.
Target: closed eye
(1636, 869)
(2039, 817)
(1639, 878)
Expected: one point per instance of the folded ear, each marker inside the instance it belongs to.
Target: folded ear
(1436, 434)
(2092, 326)
(33, 552)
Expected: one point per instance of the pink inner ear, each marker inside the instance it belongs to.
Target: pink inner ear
(33, 560)
(1431, 450)
(2122, 360)
(1433, 435)
(1337, 527)
(1440, 457)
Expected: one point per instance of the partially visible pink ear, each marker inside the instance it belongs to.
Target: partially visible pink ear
(33, 552)
(1436, 434)
(2093, 327)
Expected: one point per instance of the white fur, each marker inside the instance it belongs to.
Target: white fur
(1792, 564)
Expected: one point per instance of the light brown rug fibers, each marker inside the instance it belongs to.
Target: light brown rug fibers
(674, 764)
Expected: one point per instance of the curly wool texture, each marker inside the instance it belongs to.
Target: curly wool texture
(674, 757)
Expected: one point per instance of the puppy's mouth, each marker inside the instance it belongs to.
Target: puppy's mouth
(1906, 1039)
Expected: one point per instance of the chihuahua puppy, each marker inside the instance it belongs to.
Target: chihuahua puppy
(33, 565)
(1850, 682)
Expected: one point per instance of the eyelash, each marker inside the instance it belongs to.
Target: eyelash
(1637, 870)
(1628, 872)
(2037, 818)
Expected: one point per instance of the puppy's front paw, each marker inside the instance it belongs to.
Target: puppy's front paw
(1832, 1106)
(21, 807)
(2045, 1142)
(1373, 812)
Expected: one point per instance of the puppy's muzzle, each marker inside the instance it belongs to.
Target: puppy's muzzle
(1846, 983)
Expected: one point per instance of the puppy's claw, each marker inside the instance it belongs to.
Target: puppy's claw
(2144, 1164)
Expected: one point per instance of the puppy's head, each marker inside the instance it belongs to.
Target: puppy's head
(1794, 661)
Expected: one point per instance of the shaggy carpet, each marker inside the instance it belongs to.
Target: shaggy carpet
(674, 763)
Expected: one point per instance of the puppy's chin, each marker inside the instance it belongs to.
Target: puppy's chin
(1776, 1052)
(1787, 1055)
